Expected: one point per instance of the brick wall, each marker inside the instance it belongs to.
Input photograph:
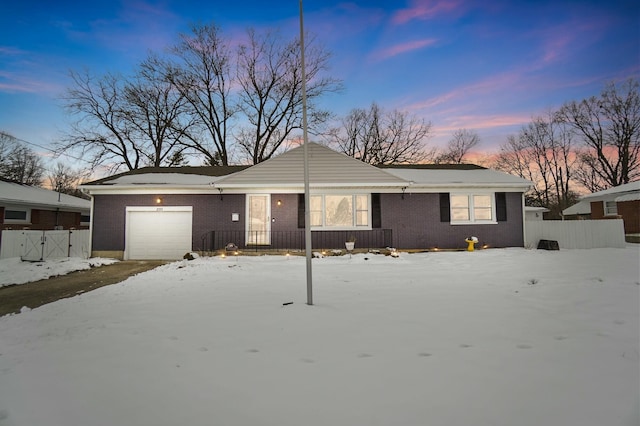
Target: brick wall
(415, 220)
(210, 212)
(48, 219)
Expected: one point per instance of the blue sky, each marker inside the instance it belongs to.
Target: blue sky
(484, 66)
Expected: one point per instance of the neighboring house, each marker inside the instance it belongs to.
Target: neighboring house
(618, 202)
(164, 213)
(534, 213)
(580, 210)
(28, 207)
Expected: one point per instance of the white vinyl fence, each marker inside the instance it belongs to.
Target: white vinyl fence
(576, 234)
(41, 245)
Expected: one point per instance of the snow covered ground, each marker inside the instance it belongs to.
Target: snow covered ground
(494, 337)
(14, 271)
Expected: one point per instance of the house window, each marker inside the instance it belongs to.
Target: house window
(340, 211)
(610, 208)
(16, 216)
(472, 208)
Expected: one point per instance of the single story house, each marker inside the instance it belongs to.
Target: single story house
(621, 201)
(29, 207)
(163, 213)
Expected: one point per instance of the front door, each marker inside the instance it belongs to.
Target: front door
(258, 219)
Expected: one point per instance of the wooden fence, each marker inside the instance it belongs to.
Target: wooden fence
(576, 234)
(41, 245)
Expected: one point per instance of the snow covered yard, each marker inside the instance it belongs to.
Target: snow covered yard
(15, 271)
(495, 337)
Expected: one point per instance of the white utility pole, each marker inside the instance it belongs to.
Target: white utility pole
(307, 203)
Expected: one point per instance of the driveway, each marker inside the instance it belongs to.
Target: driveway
(32, 295)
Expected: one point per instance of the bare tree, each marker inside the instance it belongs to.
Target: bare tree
(269, 74)
(202, 72)
(64, 179)
(22, 165)
(609, 126)
(156, 113)
(102, 132)
(543, 153)
(7, 142)
(205, 98)
(378, 137)
(459, 145)
(126, 122)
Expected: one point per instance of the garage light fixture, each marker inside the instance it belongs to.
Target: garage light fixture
(158, 200)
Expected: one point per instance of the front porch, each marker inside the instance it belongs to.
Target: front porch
(294, 240)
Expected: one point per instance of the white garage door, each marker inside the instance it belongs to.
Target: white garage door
(158, 232)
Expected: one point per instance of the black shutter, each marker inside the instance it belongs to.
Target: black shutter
(501, 206)
(300, 210)
(445, 211)
(376, 217)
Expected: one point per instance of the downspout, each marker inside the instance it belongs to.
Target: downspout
(91, 224)
(524, 223)
(58, 213)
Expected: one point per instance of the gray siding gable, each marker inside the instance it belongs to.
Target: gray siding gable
(326, 167)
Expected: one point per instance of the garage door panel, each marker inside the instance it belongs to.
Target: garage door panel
(158, 234)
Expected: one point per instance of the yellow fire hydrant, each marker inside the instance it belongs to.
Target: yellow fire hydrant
(471, 243)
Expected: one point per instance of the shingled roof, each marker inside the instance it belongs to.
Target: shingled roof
(214, 171)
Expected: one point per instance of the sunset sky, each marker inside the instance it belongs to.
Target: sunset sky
(484, 66)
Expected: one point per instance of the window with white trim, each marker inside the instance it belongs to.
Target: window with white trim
(340, 211)
(472, 208)
(610, 208)
(17, 215)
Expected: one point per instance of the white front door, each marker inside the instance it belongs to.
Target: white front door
(258, 219)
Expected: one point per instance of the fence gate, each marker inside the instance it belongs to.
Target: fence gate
(32, 243)
(41, 245)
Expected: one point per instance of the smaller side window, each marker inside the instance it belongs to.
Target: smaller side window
(16, 216)
(610, 208)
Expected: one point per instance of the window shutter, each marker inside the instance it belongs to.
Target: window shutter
(300, 210)
(445, 211)
(376, 216)
(501, 206)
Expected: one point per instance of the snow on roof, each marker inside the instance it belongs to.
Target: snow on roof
(327, 167)
(629, 197)
(535, 209)
(164, 179)
(460, 177)
(582, 207)
(196, 175)
(621, 189)
(18, 194)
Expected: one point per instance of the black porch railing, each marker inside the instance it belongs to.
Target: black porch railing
(294, 240)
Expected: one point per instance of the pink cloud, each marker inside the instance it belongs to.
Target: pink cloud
(489, 85)
(402, 48)
(556, 43)
(424, 10)
(13, 83)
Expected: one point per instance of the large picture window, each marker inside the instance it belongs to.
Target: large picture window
(472, 208)
(340, 211)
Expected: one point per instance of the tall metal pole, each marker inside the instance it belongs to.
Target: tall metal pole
(307, 203)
